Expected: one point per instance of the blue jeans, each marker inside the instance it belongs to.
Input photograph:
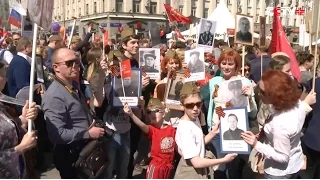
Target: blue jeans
(119, 154)
(288, 176)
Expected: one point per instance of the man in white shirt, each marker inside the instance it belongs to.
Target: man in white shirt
(190, 139)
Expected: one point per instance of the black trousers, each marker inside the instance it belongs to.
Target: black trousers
(135, 134)
(64, 158)
(313, 163)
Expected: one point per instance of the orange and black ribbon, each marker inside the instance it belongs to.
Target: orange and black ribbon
(219, 112)
(115, 70)
(229, 104)
(187, 73)
(215, 92)
(143, 69)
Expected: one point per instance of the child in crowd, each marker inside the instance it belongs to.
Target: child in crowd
(190, 139)
(162, 139)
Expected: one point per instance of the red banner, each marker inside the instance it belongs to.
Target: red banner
(126, 69)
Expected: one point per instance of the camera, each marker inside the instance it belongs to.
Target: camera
(108, 133)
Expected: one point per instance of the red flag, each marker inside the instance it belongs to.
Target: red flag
(126, 69)
(174, 15)
(206, 80)
(179, 35)
(280, 43)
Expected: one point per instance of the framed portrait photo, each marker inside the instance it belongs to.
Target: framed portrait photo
(206, 34)
(172, 93)
(232, 92)
(149, 58)
(244, 30)
(262, 29)
(195, 61)
(232, 125)
(127, 90)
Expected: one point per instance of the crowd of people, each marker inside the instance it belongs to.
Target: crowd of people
(174, 143)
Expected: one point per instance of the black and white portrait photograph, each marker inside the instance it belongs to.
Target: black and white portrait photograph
(195, 61)
(232, 125)
(127, 89)
(262, 31)
(172, 99)
(206, 34)
(27, 27)
(150, 59)
(244, 30)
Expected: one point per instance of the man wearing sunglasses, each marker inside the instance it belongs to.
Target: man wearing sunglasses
(65, 115)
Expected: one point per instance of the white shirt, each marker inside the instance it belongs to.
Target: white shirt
(282, 147)
(7, 55)
(25, 57)
(189, 138)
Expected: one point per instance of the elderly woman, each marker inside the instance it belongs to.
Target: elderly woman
(14, 140)
(282, 130)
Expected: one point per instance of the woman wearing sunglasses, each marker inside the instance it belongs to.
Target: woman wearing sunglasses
(161, 137)
(229, 63)
(191, 140)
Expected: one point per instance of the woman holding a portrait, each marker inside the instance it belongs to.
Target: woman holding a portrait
(229, 63)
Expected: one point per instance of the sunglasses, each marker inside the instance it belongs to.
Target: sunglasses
(149, 111)
(70, 63)
(191, 105)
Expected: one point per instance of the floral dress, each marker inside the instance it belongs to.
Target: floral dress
(11, 162)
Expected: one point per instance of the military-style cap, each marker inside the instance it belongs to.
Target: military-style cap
(279, 54)
(189, 88)
(127, 32)
(171, 54)
(226, 48)
(155, 103)
(114, 55)
(75, 39)
(195, 52)
(55, 38)
(149, 54)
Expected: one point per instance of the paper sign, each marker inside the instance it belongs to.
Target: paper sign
(126, 69)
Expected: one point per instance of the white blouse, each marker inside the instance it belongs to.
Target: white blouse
(282, 147)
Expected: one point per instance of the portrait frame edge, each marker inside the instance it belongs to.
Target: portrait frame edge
(247, 128)
(168, 86)
(251, 30)
(199, 32)
(139, 88)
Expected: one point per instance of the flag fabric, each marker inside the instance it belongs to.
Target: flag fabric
(178, 33)
(15, 18)
(40, 12)
(174, 15)
(280, 43)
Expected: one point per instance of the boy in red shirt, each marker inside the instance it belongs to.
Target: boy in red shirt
(162, 139)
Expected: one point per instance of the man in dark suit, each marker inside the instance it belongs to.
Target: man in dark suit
(233, 133)
(150, 61)
(195, 64)
(244, 35)
(206, 38)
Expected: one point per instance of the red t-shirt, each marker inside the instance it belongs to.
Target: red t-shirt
(162, 144)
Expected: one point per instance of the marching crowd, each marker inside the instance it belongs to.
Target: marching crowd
(73, 108)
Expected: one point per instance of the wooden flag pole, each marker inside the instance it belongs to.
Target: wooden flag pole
(32, 73)
(243, 58)
(310, 38)
(261, 61)
(315, 56)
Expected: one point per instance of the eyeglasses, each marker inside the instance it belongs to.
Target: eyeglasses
(191, 105)
(149, 111)
(70, 63)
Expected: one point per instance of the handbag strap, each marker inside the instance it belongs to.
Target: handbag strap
(89, 113)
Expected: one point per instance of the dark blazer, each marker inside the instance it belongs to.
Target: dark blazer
(233, 135)
(311, 136)
(247, 38)
(18, 75)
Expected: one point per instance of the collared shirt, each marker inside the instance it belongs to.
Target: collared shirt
(26, 57)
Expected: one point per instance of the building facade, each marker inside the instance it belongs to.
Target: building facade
(115, 13)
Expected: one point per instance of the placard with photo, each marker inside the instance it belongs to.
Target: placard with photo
(244, 30)
(195, 61)
(174, 87)
(206, 34)
(262, 31)
(232, 92)
(232, 125)
(131, 90)
(149, 59)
